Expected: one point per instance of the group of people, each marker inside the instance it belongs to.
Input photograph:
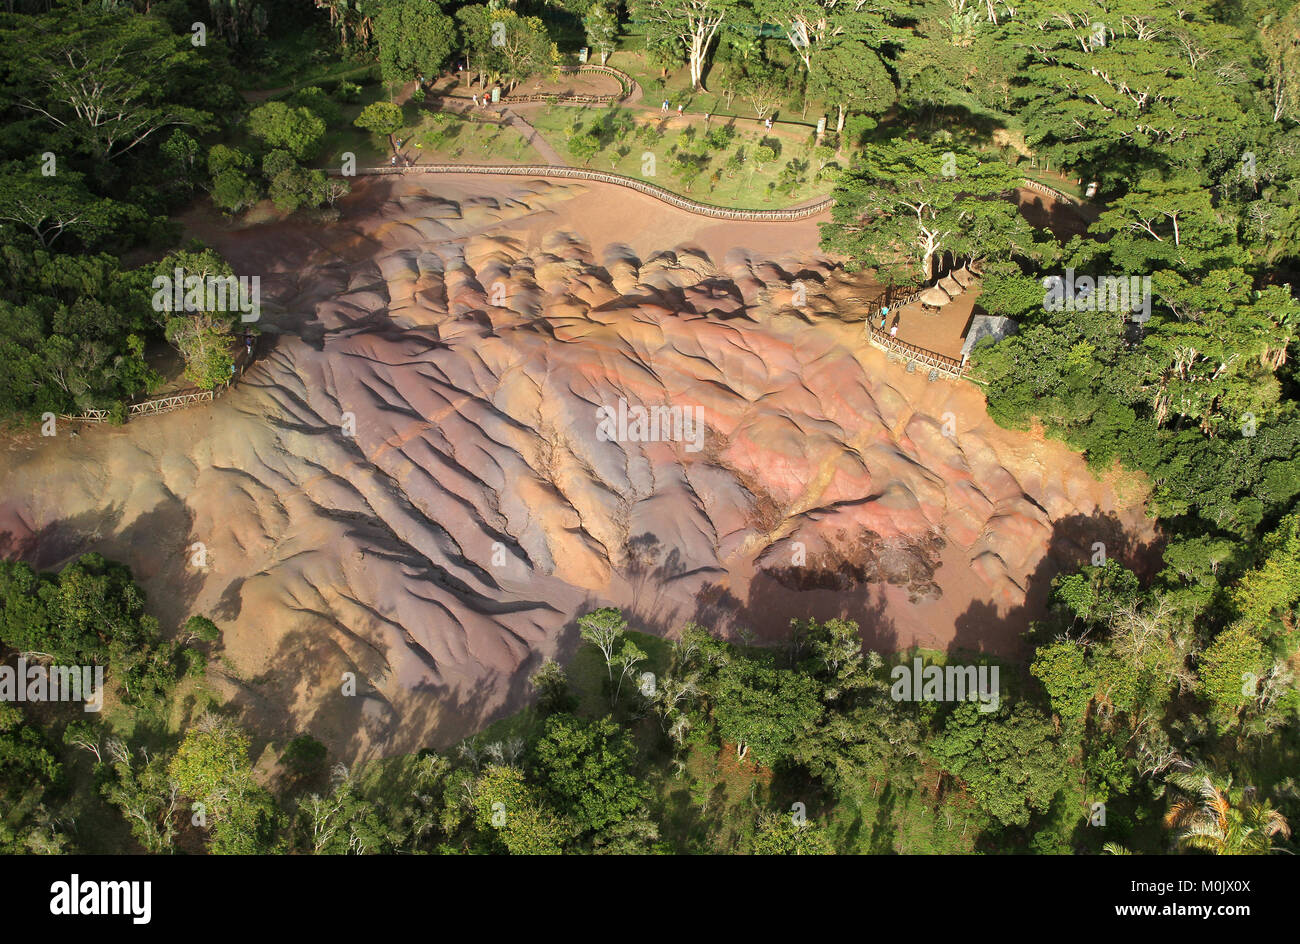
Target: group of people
(884, 316)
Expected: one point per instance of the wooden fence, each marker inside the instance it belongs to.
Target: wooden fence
(167, 403)
(173, 401)
(600, 176)
(627, 83)
(911, 353)
(1057, 195)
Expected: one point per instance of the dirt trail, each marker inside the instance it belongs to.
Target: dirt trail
(531, 136)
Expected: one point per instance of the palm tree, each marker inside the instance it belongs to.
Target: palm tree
(1217, 819)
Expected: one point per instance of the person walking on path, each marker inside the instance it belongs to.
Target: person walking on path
(893, 330)
(680, 109)
(664, 110)
(884, 314)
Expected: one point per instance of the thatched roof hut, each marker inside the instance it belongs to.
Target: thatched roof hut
(934, 297)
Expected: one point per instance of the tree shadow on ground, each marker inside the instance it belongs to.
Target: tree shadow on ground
(154, 545)
(1070, 546)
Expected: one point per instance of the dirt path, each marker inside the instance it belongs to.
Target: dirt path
(531, 135)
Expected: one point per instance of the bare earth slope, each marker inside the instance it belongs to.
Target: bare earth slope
(410, 484)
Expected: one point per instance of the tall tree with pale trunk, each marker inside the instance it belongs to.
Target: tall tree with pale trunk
(695, 22)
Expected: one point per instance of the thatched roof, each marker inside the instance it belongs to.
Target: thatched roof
(934, 297)
(950, 285)
(963, 277)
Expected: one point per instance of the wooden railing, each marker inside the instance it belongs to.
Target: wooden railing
(910, 352)
(627, 83)
(1058, 195)
(946, 366)
(896, 301)
(167, 403)
(600, 176)
(173, 401)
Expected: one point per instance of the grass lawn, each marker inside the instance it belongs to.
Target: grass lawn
(430, 136)
(745, 182)
(451, 138)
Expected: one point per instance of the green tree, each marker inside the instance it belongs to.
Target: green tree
(603, 628)
(508, 808)
(201, 331)
(551, 684)
(304, 759)
(79, 72)
(211, 767)
(586, 770)
(203, 629)
(692, 23)
(907, 201)
(50, 207)
(1279, 37)
(415, 38)
(1212, 817)
(583, 147)
(1010, 761)
(600, 27)
(142, 788)
(232, 188)
(296, 129)
(1230, 669)
(90, 613)
(29, 771)
(764, 711)
(181, 149)
(384, 118)
(1070, 681)
(852, 76)
(779, 834)
(1270, 592)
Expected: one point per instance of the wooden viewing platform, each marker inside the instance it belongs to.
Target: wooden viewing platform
(940, 365)
(168, 402)
(946, 366)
